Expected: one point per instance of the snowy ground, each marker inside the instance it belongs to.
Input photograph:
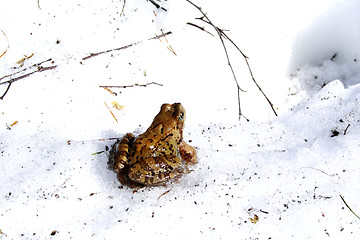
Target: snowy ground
(289, 171)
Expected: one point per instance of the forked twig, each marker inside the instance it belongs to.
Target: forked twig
(223, 36)
(39, 69)
(251, 73)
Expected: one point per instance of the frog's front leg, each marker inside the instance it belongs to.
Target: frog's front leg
(121, 157)
(156, 170)
(188, 153)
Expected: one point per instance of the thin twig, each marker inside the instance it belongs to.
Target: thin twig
(2, 233)
(107, 139)
(201, 28)
(134, 85)
(223, 36)
(40, 69)
(25, 69)
(157, 5)
(161, 35)
(345, 131)
(7, 89)
(331, 175)
(110, 50)
(123, 47)
(349, 207)
(69, 142)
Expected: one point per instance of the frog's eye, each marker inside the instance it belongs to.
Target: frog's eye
(181, 116)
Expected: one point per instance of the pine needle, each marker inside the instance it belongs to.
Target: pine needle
(349, 207)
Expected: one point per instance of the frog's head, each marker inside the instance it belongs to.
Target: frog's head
(170, 120)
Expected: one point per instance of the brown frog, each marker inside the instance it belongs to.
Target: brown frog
(157, 155)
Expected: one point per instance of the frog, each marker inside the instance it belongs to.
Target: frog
(156, 156)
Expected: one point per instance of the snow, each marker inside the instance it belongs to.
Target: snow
(289, 170)
(328, 49)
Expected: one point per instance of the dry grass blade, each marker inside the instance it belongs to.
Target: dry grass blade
(8, 44)
(109, 91)
(123, 8)
(164, 193)
(169, 47)
(111, 112)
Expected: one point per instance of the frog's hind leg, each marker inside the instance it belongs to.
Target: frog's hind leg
(156, 171)
(119, 153)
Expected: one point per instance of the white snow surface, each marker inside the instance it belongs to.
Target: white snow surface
(289, 171)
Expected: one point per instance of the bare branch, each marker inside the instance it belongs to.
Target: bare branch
(223, 36)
